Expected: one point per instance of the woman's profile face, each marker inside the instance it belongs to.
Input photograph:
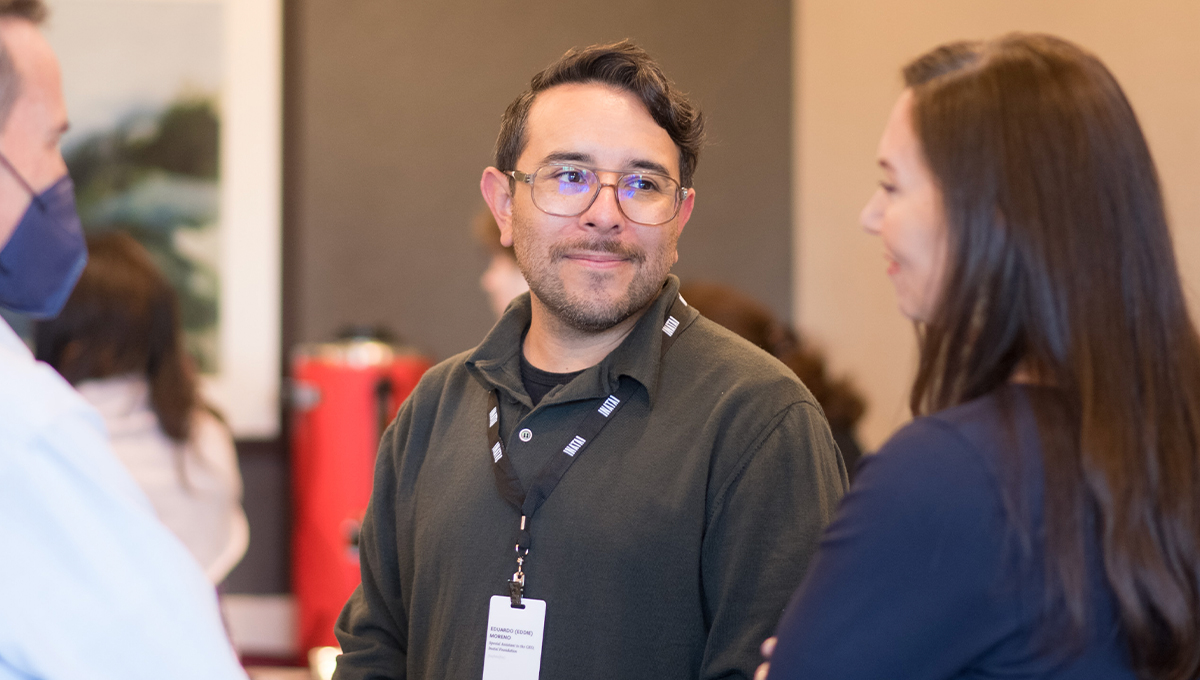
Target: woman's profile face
(906, 212)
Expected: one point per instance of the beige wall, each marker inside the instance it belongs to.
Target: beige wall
(848, 54)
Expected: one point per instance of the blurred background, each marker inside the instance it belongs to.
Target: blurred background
(376, 117)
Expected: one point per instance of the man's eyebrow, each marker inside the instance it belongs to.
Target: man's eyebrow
(579, 157)
(567, 157)
(652, 166)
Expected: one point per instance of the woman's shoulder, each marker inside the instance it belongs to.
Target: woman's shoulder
(955, 457)
(211, 441)
(989, 426)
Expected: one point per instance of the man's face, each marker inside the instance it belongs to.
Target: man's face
(31, 134)
(596, 269)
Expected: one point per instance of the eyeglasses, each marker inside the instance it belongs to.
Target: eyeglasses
(569, 190)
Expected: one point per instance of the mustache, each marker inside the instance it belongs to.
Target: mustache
(561, 250)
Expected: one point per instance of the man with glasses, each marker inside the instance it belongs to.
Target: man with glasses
(609, 486)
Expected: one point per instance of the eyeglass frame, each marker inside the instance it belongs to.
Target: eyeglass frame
(528, 177)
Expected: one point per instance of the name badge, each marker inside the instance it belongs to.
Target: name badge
(514, 639)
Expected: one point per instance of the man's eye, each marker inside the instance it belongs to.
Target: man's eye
(887, 187)
(571, 176)
(642, 183)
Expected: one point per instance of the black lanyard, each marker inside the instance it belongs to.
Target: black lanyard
(528, 501)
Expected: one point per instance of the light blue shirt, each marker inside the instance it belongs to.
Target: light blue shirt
(92, 585)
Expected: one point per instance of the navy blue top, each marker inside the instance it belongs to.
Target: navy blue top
(923, 574)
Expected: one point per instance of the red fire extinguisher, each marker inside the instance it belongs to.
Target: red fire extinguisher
(344, 394)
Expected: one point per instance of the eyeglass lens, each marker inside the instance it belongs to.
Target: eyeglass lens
(568, 190)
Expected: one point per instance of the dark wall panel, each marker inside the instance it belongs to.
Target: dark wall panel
(265, 568)
(393, 109)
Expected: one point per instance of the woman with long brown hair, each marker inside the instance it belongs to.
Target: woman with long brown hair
(1041, 516)
(119, 341)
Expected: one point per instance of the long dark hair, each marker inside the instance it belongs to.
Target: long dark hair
(1060, 265)
(123, 318)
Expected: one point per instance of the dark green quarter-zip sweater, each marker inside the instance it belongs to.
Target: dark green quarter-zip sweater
(669, 548)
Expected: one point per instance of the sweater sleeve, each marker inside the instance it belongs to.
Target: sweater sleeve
(762, 532)
(904, 585)
(373, 627)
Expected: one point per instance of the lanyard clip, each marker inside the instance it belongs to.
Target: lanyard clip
(517, 584)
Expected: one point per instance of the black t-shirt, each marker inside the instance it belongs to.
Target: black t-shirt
(538, 383)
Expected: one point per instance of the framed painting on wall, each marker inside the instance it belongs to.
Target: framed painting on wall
(175, 111)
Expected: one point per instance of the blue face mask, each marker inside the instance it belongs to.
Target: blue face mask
(45, 255)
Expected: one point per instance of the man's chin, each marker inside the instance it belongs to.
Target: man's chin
(596, 303)
(593, 317)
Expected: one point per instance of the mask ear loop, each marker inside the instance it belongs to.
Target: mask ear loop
(21, 180)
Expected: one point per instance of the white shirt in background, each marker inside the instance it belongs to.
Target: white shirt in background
(92, 585)
(195, 487)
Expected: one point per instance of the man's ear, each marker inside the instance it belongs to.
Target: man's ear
(495, 186)
(685, 211)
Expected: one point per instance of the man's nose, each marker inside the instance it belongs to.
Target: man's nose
(604, 212)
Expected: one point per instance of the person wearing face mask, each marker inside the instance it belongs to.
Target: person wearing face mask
(1040, 518)
(92, 585)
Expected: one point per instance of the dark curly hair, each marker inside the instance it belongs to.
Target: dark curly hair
(625, 66)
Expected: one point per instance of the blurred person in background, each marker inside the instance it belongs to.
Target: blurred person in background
(92, 585)
(748, 318)
(118, 340)
(1040, 518)
(502, 280)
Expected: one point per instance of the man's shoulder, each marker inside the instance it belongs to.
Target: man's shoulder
(40, 413)
(719, 359)
(446, 371)
(33, 396)
(445, 376)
